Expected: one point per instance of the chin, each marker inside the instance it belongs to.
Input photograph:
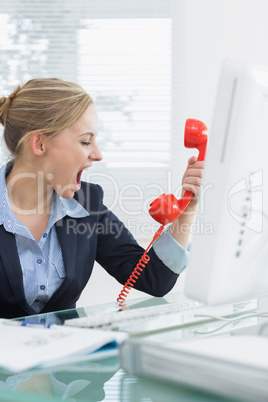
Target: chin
(66, 191)
(68, 195)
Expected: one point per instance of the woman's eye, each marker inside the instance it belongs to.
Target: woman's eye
(86, 143)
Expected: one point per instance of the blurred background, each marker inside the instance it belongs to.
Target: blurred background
(149, 65)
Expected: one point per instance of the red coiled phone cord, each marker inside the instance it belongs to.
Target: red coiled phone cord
(137, 270)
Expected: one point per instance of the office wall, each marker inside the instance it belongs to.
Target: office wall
(212, 31)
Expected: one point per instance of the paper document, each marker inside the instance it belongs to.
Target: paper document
(23, 348)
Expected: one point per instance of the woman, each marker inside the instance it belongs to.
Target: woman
(50, 128)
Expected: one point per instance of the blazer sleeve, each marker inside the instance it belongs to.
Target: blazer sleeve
(118, 253)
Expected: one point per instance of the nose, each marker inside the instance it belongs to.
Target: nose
(95, 154)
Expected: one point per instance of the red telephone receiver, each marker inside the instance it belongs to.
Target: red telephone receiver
(166, 208)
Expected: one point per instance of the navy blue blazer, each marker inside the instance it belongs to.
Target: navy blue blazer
(101, 236)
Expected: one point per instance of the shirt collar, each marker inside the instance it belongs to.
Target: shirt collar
(60, 206)
(7, 217)
(73, 208)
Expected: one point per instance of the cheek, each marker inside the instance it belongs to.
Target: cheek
(60, 167)
(63, 159)
(67, 166)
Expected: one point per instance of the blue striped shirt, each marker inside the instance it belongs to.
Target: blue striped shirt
(41, 262)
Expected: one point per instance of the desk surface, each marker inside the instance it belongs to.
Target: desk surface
(104, 380)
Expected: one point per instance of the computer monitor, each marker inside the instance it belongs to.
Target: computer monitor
(229, 251)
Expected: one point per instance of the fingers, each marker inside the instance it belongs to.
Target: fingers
(192, 160)
(193, 176)
(194, 188)
(195, 164)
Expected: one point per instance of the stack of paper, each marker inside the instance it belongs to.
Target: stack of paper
(233, 366)
(23, 348)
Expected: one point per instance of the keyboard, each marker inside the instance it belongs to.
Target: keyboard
(146, 319)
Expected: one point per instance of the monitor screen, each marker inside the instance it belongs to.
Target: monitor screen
(229, 251)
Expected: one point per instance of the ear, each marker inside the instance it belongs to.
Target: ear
(38, 143)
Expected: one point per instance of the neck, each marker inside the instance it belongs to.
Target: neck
(28, 190)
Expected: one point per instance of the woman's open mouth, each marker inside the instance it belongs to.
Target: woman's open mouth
(78, 180)
(79, 175)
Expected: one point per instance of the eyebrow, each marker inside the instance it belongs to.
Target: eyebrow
(87, 133)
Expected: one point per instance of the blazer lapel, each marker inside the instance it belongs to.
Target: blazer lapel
(68, 243)
(12, 267)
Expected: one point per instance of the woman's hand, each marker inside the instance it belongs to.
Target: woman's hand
(191, 180)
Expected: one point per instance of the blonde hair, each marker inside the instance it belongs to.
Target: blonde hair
(48, 105)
